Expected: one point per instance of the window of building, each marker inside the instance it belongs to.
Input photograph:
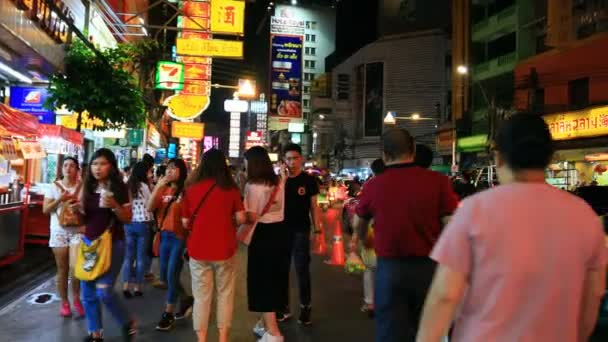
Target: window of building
(310, 64)
(579, 93)
(306, 103)
(307, 37)
(344, 87)
(310, 51)
(311, 25)
(308, 76)
(306, 90)
(313, 38)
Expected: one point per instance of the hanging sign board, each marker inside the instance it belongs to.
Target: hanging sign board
(210, 48)
(190, 130)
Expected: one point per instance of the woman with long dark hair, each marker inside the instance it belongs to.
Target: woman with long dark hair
(210, 208)
(105, 205)
(138, 231)
(64, 241)
(167, 200)
(267, 266)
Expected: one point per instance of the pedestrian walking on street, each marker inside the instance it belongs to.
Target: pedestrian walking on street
(524, 261)
(368, 255)
(167, 200)
(408, 205)
(268, 252)
(211, 207)
(64, 241)
(105, 207)
(301, 190)
(138, 231)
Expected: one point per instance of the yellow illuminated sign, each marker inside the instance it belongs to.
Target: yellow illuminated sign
(210, 48)
(86, 123)
(227, 16)
(580, 124)
(191, 130)
(186, 107)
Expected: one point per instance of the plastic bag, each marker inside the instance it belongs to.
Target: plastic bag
(354, 264)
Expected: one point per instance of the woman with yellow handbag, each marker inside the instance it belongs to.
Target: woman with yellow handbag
(105, 207)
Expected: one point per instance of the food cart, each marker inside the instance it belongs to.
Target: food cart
(15, 127)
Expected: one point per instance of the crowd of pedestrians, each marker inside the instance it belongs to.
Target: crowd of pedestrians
(507, 264)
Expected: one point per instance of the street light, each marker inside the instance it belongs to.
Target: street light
(462, 70)
(246, 88)
(391, 118)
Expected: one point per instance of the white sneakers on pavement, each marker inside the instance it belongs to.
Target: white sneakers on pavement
(259, 330)
(270, 338)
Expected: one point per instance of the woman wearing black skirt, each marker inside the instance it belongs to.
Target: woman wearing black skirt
(267, 269)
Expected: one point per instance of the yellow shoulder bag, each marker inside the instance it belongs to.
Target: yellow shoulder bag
(94, 260)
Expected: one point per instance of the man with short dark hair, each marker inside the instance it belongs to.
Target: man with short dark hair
(408, 204)
(424, 156)
(301, 192)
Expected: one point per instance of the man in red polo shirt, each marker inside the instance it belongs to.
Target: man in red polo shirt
(409, 206)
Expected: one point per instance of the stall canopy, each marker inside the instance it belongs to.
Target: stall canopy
(15, 122)
(61, 132)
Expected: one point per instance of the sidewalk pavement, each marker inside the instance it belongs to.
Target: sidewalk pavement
(336, 315)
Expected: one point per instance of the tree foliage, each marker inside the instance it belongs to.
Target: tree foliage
(103, 85)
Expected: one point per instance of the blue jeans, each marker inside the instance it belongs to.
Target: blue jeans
(300, 250)
(101, 290)
(171, 252)
(401, 288)
(137, 235)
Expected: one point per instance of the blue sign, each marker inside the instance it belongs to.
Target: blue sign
(31, 100)
(286, 77)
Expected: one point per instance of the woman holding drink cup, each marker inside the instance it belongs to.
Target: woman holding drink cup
(105, 206)
(167, 200)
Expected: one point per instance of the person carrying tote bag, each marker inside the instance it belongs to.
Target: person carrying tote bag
(268, 252)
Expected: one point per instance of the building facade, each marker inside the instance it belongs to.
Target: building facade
(406, 74)
(568, 85)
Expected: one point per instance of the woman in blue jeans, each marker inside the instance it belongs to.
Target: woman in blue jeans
(105, 205)
(166, 199)
(138, 231)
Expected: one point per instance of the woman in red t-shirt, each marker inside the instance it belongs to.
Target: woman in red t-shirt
(210, 209)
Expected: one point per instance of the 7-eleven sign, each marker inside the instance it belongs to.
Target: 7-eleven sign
(169, 75)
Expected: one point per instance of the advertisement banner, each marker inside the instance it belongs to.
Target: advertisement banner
(228, 16)
(286, 26)
(190, 130)
(31, 100)
(286, 77)
(210, 48)
(586, 123)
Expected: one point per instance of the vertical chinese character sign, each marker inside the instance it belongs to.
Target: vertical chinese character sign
(199, 20)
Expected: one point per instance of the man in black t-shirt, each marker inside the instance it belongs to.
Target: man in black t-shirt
(301, 193)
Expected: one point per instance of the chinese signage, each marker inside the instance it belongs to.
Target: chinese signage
(254, 139)
(580, 124)
(169, 76)
(31, 150)
(210, 48)
(196, 9)
(31, 100)
(210, 142)
(280, 25)
(286, 77)
(234, 142)
(182, 107)
(191, 130)
(228, 16)
(40, 12)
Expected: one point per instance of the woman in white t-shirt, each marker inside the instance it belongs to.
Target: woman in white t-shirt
(268, 253)
(137, 232)
(65, 240)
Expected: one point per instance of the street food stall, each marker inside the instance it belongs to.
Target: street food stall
(56, 142)
(15, 128)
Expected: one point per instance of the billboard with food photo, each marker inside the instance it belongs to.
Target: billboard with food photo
(286, 76)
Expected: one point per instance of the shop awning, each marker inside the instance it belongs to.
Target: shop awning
(67, 134)
(16, 122)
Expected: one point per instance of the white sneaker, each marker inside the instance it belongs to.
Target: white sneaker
(270, 338)
(259, 330)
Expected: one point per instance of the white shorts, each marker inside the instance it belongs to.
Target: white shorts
(64, 237)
